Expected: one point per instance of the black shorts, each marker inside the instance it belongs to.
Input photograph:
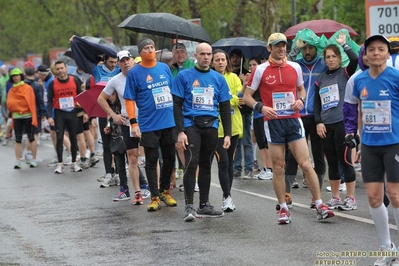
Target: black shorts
(38, 129)
(130, 142)
(378, 160)
(155, 139)
(82, 126)
(281, 131)
(259, 131)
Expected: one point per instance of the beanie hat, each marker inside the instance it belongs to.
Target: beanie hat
(29, 64)
(143, 42)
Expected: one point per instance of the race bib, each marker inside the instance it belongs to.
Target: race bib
(162, 97)
(376, 116)
(282, 102)
(329, 96)
(67, 103)
(203, 98)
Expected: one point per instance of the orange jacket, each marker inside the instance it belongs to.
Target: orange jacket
(21, 99)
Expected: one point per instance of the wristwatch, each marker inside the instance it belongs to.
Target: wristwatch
(303, 99)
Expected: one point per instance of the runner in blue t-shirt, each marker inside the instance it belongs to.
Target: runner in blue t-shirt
(378, 92)
(200, 94)
(150, 86)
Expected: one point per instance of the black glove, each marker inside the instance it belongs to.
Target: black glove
(351, 141)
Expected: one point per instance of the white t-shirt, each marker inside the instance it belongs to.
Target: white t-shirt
(117, 83)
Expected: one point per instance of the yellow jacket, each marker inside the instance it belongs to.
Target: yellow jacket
(235, 86)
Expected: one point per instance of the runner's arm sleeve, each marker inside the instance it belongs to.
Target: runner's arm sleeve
(131, 111)
(353, 60)
(350, 112)
(317, 105)
(225, 114)
(177, 112)
(293, 53)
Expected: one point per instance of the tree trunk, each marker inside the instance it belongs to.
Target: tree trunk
(237, 24)
(267, 14)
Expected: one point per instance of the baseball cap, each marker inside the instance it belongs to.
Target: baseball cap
(122, 54)
(377, 37)
(178, 46)
(276, 38)
(43, 69)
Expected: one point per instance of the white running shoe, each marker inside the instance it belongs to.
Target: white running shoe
(228, 205)
(59, 169)
(196, 188)
(76, 168)
(28, 157)
(33, 164)
(108, 181)
(387, 260)
(68, 160)
(264, 175)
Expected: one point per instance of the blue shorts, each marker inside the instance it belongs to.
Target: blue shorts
(282, 131)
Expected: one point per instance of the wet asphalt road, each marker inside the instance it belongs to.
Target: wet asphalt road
(48, 219)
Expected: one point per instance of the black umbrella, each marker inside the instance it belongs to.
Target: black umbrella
(250, 47)
(95, 40)
(167, 25)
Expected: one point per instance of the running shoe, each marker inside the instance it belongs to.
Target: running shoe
(181, 188)
(196, 188)
(4, 142)
(284, 216)
(54, 161)
(75, 167)
(167, 199)
(228, 205)
(248, 175)
(28, 157)
(237, 173)
(69, 160)
(93, 161)
(83, 165)
(189, 214)
(295, 185)
(349, 204)
(122, 195)
(288, 201)
(334, 203)
(144, 191)
(209, 211)
(387, 260)
(17, 165)
(109, 181)
(101, 178)
(313, 204)
(59, 169)
(264, 175)
(324, 212)
(138, 199)
(154, 205)
(33, 164)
